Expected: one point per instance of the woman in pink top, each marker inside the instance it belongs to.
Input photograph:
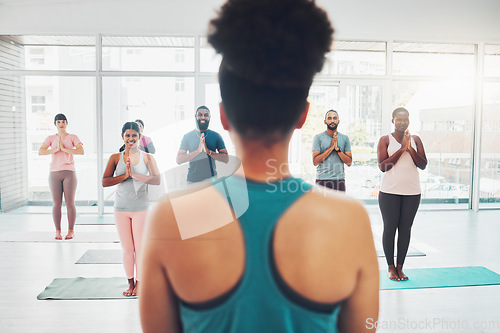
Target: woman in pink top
(62, 179)
(146, 143)
(399, 155)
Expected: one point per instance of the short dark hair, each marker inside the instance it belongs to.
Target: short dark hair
(398, 110)
(202, 107)
(140, 121)
(268, 67)
(60, 116)
(332, 110)
(131, 125)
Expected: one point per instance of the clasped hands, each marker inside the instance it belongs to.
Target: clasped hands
(334, 144)
(60, 146)
(406, 142)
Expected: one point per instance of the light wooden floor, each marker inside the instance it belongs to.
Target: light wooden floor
(449, 238)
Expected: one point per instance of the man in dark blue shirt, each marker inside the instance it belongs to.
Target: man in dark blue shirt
(201, 147)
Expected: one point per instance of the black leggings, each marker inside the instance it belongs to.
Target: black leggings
(398, 212)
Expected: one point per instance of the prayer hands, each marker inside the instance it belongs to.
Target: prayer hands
(406, 142)
(334, 143)
(202, 147)
(128, 169)
(60, 146)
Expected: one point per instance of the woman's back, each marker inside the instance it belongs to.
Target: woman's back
(283, 267)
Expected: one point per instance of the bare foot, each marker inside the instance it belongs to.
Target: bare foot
(70, 235)
(58, 235)
(393, 273)
(136, 288)
(130, 289)
(401, 275)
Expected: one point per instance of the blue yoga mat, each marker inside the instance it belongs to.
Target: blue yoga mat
(441, 277)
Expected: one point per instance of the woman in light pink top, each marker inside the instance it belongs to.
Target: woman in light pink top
(62, 179)
(399, 156)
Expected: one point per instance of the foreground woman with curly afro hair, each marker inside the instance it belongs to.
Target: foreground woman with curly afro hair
(295, 258)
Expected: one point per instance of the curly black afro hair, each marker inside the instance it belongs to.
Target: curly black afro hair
(274, 42)
(271, 50)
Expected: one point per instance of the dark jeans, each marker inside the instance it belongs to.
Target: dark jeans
(334, 184)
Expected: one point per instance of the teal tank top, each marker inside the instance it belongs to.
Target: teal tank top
(261, 301)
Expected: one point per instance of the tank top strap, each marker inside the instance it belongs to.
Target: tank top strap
(267, 204)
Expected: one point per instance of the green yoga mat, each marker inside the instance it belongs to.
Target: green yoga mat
(442, 277)
(101, 257)
(95, 220)
(85, 288)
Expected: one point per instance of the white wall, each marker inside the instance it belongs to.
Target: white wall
(426, 20)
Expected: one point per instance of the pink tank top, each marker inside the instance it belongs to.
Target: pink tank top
(403, 178)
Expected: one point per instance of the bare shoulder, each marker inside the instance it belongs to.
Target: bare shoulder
(323, 217)
(162, 224)
(384, 139)
(115, 157)
(333, 208)
(416, 138)
(330, 234)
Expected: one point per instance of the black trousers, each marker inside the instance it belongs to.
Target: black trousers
(398, 212)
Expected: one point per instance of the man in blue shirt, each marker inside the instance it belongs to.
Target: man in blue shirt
(331, 150)
(201, 147)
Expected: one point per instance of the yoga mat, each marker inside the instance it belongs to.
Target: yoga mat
(101, 257)
(46, 236)
(85, 288)
(442, 277)
(95, 220)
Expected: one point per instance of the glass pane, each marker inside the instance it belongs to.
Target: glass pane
(356, 58)
(212, 100)
(433, 59)
(164, 104)
(441, 113)
(75, 98)
(492, 60)
(148, 54)
(489, 183)
(209, 59)
(322, 97)
(48, 52)
(361, 121)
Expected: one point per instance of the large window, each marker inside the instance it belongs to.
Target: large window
(75, 98)
(356, 58)
(162, 79)
(173, 54)
(442, 114)
(492, 60)
(433, 59)
(489, 181)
